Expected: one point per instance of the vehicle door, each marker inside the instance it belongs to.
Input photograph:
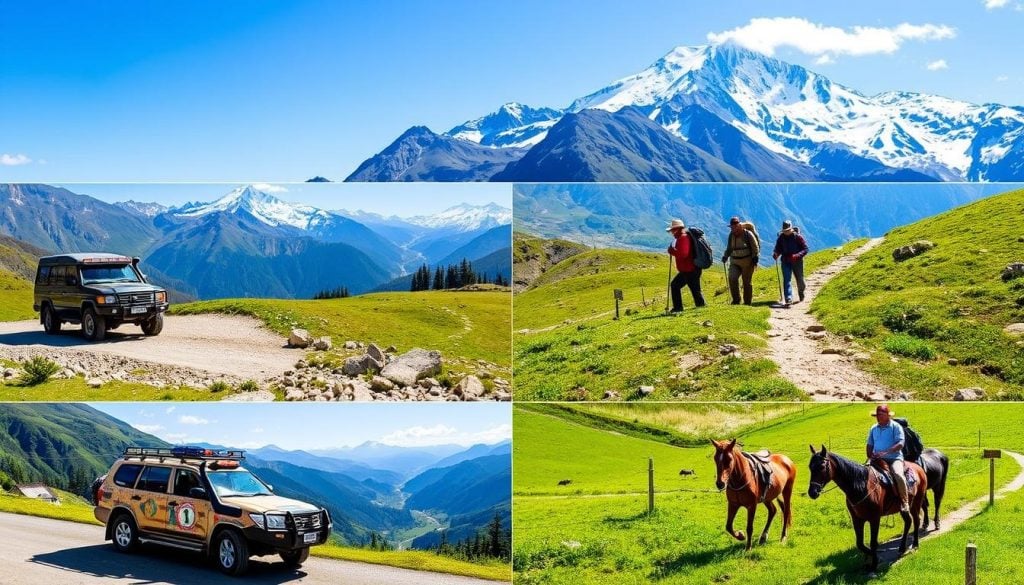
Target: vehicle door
(122, 484)
(149, 501)
(188, 516)
(56, 288)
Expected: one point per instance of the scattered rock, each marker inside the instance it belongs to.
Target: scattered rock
(391, 349)
(1012, 271)
(1014, 329)
(10, 372)
(969, 394)
(351, 345)
(300, 338)
(646, 390)
(953, 361)
(257, 396)
(708, 323)
(848, 338)
(413, 365)
(322, 343)
(690, 362)
(294, 394)
(727, 348)
(362, 393)
(376, 353)
(610, 395)
(814, 328)
(832, 351)
(470, 387)
(817, 335)
(774, 333)
(359, 365)
(94, 382)
(381, 384)
(909, 251)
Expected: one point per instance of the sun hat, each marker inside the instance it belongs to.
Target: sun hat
(676, 223)
(882, 408)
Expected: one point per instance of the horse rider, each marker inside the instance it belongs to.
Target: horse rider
(885, 442)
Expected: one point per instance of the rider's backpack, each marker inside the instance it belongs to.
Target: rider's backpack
(912, 444)
(702, 253)
(750, 227)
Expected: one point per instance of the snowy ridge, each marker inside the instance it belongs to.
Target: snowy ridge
(262, 206)
(793, 111)
(466, 217)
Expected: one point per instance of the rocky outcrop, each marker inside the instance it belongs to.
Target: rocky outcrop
(413, 365)
(1012, 271)
(300, 338)
(909, 251)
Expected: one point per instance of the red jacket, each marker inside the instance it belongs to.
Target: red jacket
(683, 251)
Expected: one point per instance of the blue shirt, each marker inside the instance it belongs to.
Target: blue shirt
(881, 438)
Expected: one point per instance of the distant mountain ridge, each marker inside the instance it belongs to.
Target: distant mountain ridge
(770, 120)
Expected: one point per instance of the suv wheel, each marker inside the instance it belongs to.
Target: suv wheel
(51, 323)
(153, 326)
(94, 327)
(124, 534)
(295, 558)
(231, 552)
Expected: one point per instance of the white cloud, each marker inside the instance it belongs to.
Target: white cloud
(256, 430)
(170, 409)
(994, 4)
(14, 160)
(188, 419)
(766, 35)
(1003, 78)
(175, 437)
(825, 59)
(268, 188)
(420, 436)
(938, 65)
(149, 428)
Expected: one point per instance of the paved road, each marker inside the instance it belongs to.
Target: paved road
(220, 344)
(40, 550)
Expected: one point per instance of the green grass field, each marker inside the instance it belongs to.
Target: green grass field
(470, 325)
(76, 389)
(75, 509)
(948, 302)
(568, 346)
(15, 298)
(596, 529)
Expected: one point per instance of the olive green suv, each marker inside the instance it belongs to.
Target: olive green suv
(100, 291)
(203, 500)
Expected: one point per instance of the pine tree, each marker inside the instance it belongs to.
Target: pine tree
(438, 278)
(494, 533)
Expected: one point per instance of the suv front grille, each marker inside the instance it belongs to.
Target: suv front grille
(305, 522)
(138, 298)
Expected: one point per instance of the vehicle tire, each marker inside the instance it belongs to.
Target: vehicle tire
(124, 533)
(94, 327)
(231, 552)
(51, 323)
(154, 326)
(294, 558)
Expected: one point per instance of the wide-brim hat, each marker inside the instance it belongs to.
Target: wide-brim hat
(882, 408)
(787, 225)
(734, 220)
(676, 224)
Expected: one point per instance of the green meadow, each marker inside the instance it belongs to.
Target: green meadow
(596, 529)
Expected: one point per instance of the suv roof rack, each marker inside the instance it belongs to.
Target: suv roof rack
(199, 453)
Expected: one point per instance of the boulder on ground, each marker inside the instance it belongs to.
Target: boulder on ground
(300, 338)
(646, 390)
(376, 353)
(360, 364)
(909, 251)
(409, 367)
(1014, 329)
(814, 328)
(969, 394)
(469, 387)
(1012, 271)
(322, 343)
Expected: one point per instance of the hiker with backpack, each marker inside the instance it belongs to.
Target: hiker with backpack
(689, 256)
(791, 248)
(741, 251)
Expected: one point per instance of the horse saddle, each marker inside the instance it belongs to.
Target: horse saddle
(761, 463)
(886, 479)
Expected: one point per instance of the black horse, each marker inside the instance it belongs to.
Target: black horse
(936, 466)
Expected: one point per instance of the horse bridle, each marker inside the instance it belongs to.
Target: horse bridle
(727, 486)
(828, 469)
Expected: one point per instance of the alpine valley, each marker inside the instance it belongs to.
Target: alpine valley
(408, 496)
(249, 243)
(719, 113)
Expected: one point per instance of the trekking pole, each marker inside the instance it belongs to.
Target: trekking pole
(668, 286)
(778, 278)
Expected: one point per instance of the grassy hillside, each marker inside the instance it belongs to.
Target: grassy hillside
(947, 303)
(470, 325)
(17, 269)
(596, 530)
(568, 347)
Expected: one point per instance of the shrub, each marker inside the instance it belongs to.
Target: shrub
(902, 318)
(249, 386)
(219, 386)
(909, 346)
(37, 370)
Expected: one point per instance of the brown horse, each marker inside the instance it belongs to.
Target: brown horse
(736, 477)
(866, 498)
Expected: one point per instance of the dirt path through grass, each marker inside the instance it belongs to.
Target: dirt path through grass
(832, 375)
(888, 553)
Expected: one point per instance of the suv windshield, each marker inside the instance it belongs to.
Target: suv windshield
(237, 483)
(98, 274)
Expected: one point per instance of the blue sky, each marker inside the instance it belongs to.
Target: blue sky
(317, 426)
(401, 199)
(284, 90)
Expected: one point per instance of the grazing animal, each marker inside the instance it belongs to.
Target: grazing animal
(867, 499)
(736, 476)
(687, 472)
(565, 482)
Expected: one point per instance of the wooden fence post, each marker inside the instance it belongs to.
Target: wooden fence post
(992, 455)
(650, 485)
(971, 565)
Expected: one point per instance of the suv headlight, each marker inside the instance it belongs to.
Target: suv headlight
(106, 300)
(258, 520)
(161, 297)
(275, 522)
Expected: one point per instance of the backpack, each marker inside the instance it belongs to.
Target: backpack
(912, 444)
(752, 229)
(702, 254)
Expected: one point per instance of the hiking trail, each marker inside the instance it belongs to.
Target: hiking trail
(889, 551)
(820, 363)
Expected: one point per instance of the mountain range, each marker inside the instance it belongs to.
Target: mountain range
(719, 112)
(250, 243)
(371, 488)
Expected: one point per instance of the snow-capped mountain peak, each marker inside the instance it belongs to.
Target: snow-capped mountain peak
(142, 208)
(261, 205)
(465, 217)
(512, 125)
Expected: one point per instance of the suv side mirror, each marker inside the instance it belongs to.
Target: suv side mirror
(71, 281)
(197, 493)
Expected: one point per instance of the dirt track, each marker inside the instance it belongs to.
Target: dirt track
(823, 376)
(239, 347)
